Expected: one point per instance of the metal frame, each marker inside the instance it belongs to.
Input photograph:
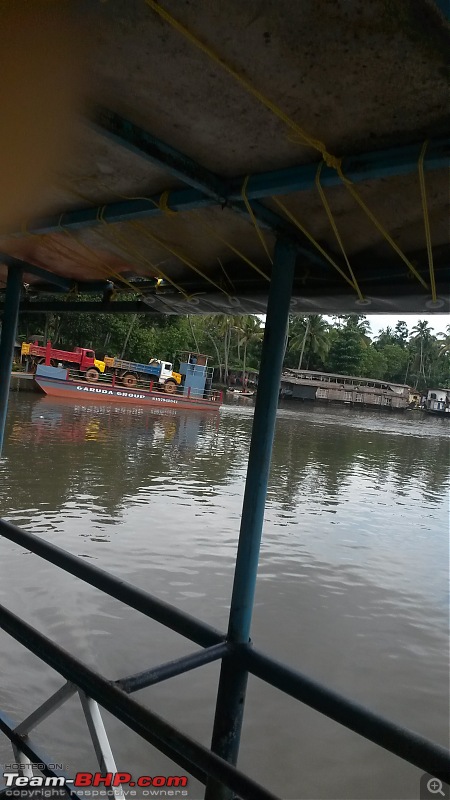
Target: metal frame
(215, 767)
(7, 341)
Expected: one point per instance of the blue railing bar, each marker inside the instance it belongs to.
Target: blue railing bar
(182, 749)
(172, 668)
(162, 612)
(396, 161)
(36, 756)
(7, 340)
(408, 745)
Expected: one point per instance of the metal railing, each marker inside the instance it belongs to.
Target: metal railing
(114, 695)
(213, 767)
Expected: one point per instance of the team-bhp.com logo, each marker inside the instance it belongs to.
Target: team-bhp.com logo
(94, 784)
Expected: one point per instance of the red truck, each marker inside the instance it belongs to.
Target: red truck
(81, 358)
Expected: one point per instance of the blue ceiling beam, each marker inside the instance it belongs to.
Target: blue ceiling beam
(396, 161)
(122, 211)
(60, 283)
(367, 166)
(30, 269)
(133, 138)
(160, 154)
(444, 8)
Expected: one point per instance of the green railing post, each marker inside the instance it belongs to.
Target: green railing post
(233, 678)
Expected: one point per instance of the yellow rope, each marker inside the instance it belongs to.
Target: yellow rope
(137, 255)
(335, 230)
(163, 204)
(228, 244)
(380, 227)
(253, 218)
(313, 241)
(426, 220)
(329, 159)
(106, 268)
(132, 250)
(178, 254)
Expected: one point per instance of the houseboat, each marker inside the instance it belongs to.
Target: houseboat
(438, 402)
(349, 389)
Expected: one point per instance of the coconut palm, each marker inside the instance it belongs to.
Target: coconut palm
(310, 335)
(444, 343)
(249, 330)
(422, 345)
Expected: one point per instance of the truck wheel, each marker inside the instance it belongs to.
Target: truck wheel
(170, 386)
(129, 380)
(91, 375)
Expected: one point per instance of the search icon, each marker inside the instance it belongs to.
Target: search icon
(434, 786)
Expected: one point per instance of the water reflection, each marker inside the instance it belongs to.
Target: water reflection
(115, 450)
(352, 584)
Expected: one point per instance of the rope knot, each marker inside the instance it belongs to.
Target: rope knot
(332, 161)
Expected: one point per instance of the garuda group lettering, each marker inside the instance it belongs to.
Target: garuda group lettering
(109, 391)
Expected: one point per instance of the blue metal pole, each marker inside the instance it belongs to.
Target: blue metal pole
(233, 678)
(8, 337)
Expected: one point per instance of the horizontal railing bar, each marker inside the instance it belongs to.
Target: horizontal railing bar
(178, 621)
(35, 754)
(170, 669)
(406, 744)
(186, 752)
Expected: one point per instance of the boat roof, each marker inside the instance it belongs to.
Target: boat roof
(313, 374)
(214, 127)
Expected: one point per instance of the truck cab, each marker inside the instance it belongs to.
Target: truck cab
(166, 369)
(88, 360)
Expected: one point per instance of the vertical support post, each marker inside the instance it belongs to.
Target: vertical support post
(100, 741)
(48, 348)
(233, 679)
(8, 337)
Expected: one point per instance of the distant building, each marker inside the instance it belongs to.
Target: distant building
(349, 389)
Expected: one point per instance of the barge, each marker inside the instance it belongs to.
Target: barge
(195, 391)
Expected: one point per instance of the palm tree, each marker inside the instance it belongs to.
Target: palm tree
(421, 339)
(249, 331)
(444, 344)
(310, 334)
(225, 325)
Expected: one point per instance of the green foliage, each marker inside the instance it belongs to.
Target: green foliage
(418, 357)
(373, 364)
(346, 352)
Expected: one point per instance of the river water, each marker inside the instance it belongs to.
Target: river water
(352, 585)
